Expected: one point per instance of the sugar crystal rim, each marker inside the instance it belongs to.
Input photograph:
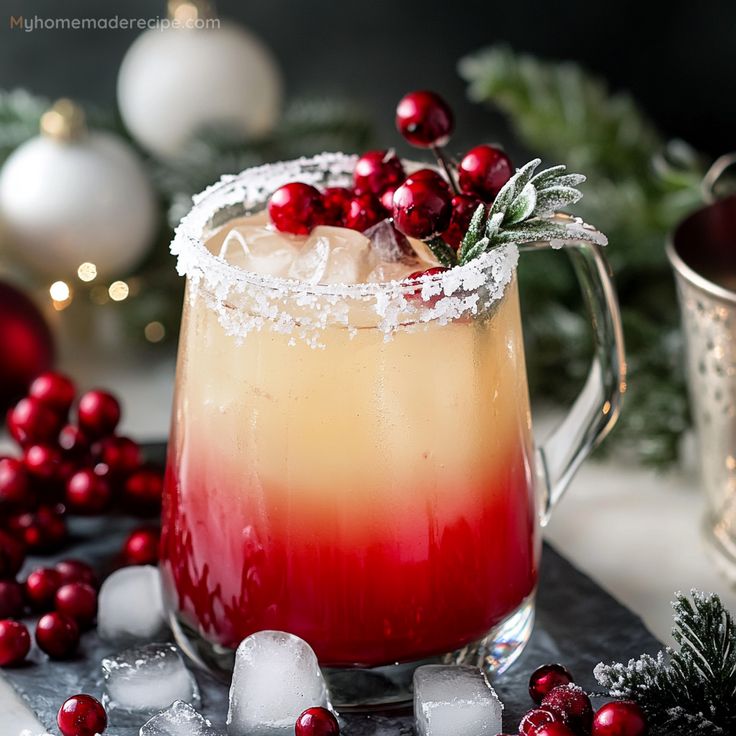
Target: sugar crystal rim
(252, 187)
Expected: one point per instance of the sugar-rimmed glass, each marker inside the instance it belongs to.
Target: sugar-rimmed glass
(354, 463)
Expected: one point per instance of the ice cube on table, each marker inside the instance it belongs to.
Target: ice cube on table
(130, 605)
(276, 678)
(180, 719)
(148, 678)
(259, 249)
(451, 700)
(333, 255)
(389, 245)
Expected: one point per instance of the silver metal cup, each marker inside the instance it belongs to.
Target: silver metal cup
(702, 252)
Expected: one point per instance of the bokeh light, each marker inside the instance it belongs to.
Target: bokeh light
(154, 331)
(87, 271)
(118, 291)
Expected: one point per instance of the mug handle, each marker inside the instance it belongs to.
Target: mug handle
(596, 409)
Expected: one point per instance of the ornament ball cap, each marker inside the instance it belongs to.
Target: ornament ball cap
(190, 10)
(64, 121)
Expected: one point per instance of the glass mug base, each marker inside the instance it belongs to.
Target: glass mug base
(381, 688)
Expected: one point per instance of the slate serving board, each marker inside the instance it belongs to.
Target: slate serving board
(578, 624)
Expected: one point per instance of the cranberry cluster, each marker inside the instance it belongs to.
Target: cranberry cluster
(425, 204)
(69, 588)
(564, 709)
(80, 468)
(83, 465)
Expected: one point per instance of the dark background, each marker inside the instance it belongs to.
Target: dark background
(678, 59)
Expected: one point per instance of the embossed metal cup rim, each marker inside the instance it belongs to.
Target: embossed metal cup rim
(680, 263)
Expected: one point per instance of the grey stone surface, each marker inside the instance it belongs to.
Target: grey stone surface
(578, 624)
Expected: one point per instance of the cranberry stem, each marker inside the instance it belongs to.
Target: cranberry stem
(444, 163)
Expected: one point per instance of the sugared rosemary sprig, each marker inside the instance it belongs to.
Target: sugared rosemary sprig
(522, 212)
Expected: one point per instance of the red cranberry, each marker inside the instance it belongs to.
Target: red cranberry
(42, 531)
(76, 571)
(483, 171)
(387, 199)
(12, 555)
(363, 211)
(421, 209)
(81, 715)
(23, 528)
(141, 547)
(145, 487)
(55, 390)
(43, 462)
(571, 702)
(32, 421)
(78, 601)
(15, 642)
(375, 171)
(463, 209)
(57, 635)
(73, 441)
(15, 489)
(424, 119)
(121, 455)
(87, 493)
(431, 176)
(41, 587)
(317, 722)
(335, 202)
(11, 599)
(51, 521)
(537, 717)
(547, 677)
(296, 208)
(621, 718)
(98, 413)
(554, 729)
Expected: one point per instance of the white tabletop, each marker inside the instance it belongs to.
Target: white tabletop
(635, 532)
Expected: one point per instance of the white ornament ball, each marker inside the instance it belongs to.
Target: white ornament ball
(175, 82)
(63, 203)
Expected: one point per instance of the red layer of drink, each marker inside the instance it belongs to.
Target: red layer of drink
(362, 586)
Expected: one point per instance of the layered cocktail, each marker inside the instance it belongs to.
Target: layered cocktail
(351, 457)
(373, 497)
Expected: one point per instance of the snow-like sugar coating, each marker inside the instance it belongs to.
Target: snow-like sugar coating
(245, 301)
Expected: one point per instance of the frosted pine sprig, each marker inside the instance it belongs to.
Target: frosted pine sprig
(523, 212)
(689, 690)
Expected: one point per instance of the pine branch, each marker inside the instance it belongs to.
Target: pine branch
(691, 689)
(560, 109)
(313, 126)
(20, 113)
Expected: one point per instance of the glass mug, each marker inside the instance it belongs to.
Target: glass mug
(354, 464)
